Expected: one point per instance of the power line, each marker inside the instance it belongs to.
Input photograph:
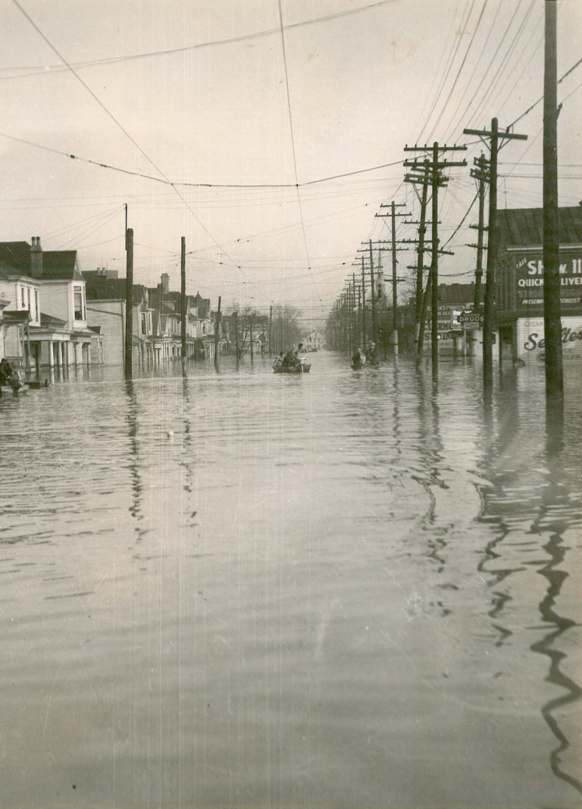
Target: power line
(112, 60)
(494, 83)
(456, 125)
(541, 98)
(462, 222)
(188, 184)
(455, 49)
(471, 101)
(114, 119)
(293, 148)
(460, 70)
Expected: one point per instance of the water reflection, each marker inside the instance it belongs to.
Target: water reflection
(551, 520)
(134, 461)
(528, 508)
(294, 648)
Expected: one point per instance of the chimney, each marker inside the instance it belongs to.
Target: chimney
(165, 278)
(35, 257)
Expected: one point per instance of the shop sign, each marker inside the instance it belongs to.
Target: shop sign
(470, 320)
(531, 342)
(529, 278)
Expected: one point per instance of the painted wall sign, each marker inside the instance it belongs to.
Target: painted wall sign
(531, 343)
(529, 278)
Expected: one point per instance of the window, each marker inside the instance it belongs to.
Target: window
(36, 312)
(144, 323)
(22, 298)
(28, 298)
(78, 303)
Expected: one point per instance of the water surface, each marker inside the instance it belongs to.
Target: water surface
(347, 589)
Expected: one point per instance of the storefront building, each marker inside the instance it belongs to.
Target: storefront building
(520, 284)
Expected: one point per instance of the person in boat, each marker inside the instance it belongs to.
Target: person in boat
(371, 357)
(278, 361)
(291, 360)
(9, 375)
(357, 358)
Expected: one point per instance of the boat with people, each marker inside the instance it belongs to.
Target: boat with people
(11, 379)
(365, 359)
(291, 362)
(304, 367)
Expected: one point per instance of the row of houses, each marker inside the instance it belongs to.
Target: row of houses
(54, 316)
(157, 324)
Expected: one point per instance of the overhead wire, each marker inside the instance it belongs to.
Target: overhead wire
(48, 70)
(494, 84)
(465, 114)
(455, 126)
(113, 118)
(460, 70)
(193, 184)
(455, 48)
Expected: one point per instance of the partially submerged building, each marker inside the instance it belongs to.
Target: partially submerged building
(520, 282)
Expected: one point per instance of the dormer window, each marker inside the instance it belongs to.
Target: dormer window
(78, 303)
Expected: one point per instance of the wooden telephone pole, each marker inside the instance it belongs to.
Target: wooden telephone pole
(552, 313)
(363, 304)
(217, 332)
(393, 205)
(128, 353)
(437, 181)
(481, 174)
(183, 306)
(495, 140)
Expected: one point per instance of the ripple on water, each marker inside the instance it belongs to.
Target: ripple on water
(319, 591)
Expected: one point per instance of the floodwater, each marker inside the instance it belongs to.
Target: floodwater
(347, 589)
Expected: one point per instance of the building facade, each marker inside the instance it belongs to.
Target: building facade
(520, 283)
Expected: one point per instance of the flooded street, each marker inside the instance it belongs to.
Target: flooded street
(346, 589)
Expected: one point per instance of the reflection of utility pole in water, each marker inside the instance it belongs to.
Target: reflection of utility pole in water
(135, 509)
(555, 572)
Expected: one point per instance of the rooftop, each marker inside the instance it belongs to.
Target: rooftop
(524, 227)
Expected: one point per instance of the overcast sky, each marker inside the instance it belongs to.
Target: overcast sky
(361, 85)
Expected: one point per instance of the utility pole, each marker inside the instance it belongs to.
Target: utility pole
(270, 330)
(437, 181)
(183, 295)
(281, 333)
(382, 245)
(495, 140)
(393, 205)
(372, 292)
(552, 314)
(395, 278)
(434, 267)
(420, 174)
(128, 303)
(363, 305)
(356, 315)
(236, 345)
(420, 253)
(217, 332)
(481, 174)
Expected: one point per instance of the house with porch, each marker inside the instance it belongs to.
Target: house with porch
(48, 286)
